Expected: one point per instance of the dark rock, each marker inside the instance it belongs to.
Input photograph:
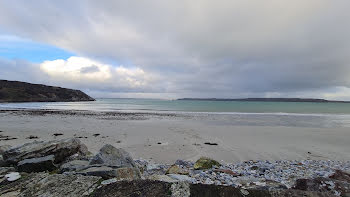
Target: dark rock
(341, 176)
(322, 184)
(96, 134)
(113, 157)
(15, 91)
(39, 164)
(57, 134)
(59, 148)
(141, 188)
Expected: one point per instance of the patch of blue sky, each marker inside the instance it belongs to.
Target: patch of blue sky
(13, 47)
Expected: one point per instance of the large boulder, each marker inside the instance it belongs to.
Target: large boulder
(205, 163)
(113, 157)
(37, 164)
(61, 149)
(107, 173)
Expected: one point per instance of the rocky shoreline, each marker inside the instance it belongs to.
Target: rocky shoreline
(66, 168)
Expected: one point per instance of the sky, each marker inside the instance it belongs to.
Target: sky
(180, 48)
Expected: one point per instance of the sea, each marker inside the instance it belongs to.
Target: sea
(305, 114)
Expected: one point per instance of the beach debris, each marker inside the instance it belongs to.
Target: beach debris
(119, 141)
(57, 134)
(12, 176)
(159, 143)
(205, 163)
(96, 134)
(32, 137)
(210, 143)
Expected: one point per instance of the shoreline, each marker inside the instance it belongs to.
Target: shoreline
(164, 137)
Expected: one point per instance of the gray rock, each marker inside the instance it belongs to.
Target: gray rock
(113, 157)
(75, 165)
(61, 149)
(57, 185)
(182, 178)
(4, 148)
(37, 164)
(108, 172)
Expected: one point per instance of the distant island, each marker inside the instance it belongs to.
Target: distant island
(16, 91)
(310, 100)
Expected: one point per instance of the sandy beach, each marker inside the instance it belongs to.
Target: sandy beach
(164, 138)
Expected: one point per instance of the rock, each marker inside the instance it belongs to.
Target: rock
(59, 148)
(57, 185)
(340, 176)
(165, 178)
(180, 177)
(12, 176)
(75, 165)
(175, 169)
(226, 171)
(4, 148)
(107, 172)
(113, 157)
(141, 188)
(205, 163)
(39, 164)
(180, 189)
(321, 184)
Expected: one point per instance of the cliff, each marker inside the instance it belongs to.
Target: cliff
(16, 91)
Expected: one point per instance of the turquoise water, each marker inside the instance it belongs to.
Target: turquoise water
(191, 106)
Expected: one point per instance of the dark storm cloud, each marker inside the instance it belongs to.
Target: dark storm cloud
(202, 48)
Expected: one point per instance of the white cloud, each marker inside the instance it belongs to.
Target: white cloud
(192, 48)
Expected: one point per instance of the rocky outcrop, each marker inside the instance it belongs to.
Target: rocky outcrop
(61, 149)
(15, 91)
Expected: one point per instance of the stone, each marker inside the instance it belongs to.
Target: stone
(162, 177)
(107, 172)
(180, 177)
(61, 185)
(113, 157)
(12, 176)
(59, 148)
(340, 176)
(175, 169)
(205, 163)
(321, 184)
(4, 148)
(75, 165)
(142, 188)
(226, 171)
(180, 189)
(39, 164)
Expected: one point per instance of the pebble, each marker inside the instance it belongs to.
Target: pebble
(261, 173)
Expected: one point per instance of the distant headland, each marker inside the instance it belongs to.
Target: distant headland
(16, 91)
(310, 100)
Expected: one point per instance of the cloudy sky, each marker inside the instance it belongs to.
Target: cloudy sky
(180, 48)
